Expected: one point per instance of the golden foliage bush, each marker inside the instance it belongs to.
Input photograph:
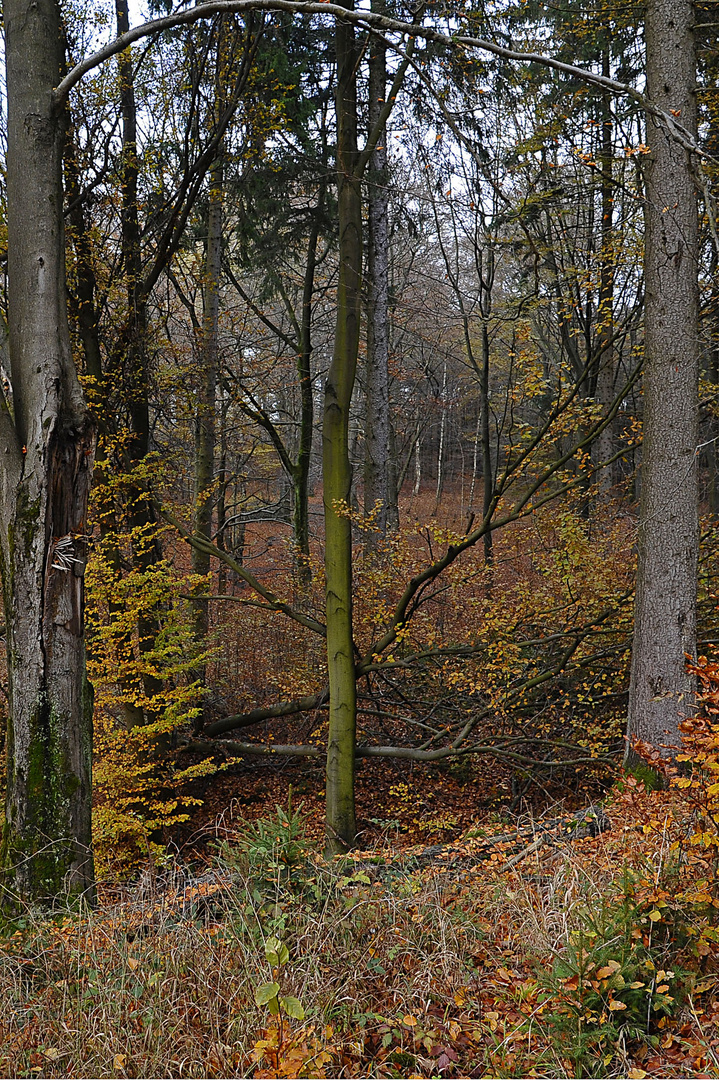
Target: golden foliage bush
(142, 660)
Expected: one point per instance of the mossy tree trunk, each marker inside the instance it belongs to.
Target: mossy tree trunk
(47, 440)
(337, 472)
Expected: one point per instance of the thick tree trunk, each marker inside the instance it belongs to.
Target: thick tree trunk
(337, 472)
(47, 455)
(377, 437)
(665, 615)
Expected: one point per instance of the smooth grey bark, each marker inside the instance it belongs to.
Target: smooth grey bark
(665, 613)
(47, 446)
(377, 434)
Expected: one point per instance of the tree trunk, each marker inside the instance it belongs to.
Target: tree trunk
(486, 284)
(301, 472)
(665, 615)
(47, 456)
(140, 512)
(377, 380)
(392, 482)
(417, 466)
(206, 403)
(442, 434)
(604, 393)
(337, 473)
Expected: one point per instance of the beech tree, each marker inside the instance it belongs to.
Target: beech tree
(47, 433)
(48, 440)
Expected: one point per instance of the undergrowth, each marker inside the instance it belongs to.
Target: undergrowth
(593, 960)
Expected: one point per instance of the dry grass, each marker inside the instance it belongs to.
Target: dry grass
(424, 974)
(160, 982)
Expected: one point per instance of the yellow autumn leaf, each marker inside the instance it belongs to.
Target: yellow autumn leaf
(655, 916)
(410, 1021)
(132, 963)
(636, 1074)
(52, 1053)
(616, 1006)
(609, 969)
(119, 1061)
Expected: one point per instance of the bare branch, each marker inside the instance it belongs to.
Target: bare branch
(201, 543)
(372, 22)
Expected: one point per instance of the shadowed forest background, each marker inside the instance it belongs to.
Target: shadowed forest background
(356, 330)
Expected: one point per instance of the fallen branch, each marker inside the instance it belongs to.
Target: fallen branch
(268, 712)
(406, 753)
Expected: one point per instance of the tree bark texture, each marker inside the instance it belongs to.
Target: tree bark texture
(377, 436)
(337, 472)
(665, 614)
(47, 449)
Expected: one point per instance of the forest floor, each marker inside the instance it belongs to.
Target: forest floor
(470, 935)
(397, 802)
(582, 957)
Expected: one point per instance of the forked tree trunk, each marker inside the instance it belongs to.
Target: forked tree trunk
(47, 443)
(665, 615)
(337, 472)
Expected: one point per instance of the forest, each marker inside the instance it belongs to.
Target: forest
(359, 508)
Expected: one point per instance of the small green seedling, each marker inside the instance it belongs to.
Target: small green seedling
(277, 954)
